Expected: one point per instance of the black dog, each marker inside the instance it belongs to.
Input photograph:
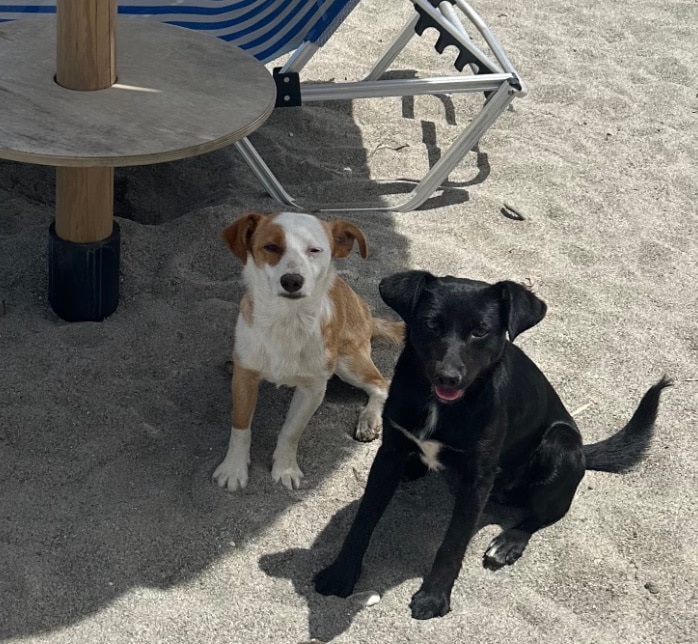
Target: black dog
(465, 398)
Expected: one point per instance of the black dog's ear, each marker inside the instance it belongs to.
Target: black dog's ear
(401, 291)
(523, 309)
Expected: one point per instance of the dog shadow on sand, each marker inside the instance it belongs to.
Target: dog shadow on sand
(402, 548)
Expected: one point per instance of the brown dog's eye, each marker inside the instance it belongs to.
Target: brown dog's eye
(272, 248)
(480, 331)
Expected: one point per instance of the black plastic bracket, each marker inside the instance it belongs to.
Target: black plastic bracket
(288, 88)
(515, 83)
(83, 279)
(465, 57)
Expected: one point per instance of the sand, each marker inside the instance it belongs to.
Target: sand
(110, 527)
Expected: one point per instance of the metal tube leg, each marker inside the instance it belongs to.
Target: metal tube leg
(446, 8)
(263, 173)
(300, 58)
(393, 50)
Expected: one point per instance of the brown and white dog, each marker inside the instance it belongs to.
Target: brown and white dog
(299, 323)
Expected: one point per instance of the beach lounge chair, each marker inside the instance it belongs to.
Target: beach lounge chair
(268, 29)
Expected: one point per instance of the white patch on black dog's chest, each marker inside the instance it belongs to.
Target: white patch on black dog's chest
(429, 449)
(430, 454)
(431, 420)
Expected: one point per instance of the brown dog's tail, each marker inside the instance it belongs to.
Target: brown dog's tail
(394, 332)
(625, 449)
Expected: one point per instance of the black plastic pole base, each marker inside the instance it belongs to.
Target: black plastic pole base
(83, 279)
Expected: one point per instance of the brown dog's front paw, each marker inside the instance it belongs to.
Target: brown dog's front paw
(427, 604)
(369, 426)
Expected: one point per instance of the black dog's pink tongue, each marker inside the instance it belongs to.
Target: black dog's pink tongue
(447, 394)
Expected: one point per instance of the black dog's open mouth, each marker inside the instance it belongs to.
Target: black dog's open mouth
(445, 394)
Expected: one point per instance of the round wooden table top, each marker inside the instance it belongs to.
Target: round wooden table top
(178, 93)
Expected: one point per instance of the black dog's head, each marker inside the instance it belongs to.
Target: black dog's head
(458, 327)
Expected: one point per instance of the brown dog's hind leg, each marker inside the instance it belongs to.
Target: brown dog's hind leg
(556, 468)
(359, 370)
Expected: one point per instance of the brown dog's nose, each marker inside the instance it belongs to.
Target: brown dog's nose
(292, 282)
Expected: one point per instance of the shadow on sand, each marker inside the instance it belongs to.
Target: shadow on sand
(110, 432)
(402, 548)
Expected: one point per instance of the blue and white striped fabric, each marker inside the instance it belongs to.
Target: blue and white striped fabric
(266, 29)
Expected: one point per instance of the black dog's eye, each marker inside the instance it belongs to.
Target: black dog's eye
(480, 331)
(432, 324)
(272, 248)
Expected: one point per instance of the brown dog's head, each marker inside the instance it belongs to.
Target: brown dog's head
(291, 252)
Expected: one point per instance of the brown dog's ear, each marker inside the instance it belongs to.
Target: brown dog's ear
(238, 236)
(402, 291)
(343, 234)
(522, 308)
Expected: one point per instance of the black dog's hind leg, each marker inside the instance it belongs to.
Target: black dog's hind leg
(556, 468)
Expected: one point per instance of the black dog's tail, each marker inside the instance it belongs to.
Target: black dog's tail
(623, 450)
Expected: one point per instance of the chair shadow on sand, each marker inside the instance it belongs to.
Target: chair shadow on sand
(451, 192)
(402, 548)
(333, 161)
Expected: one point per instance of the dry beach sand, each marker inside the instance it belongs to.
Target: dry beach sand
(110, 527)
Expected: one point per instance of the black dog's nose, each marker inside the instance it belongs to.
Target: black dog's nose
(292, 282)
(448, 378)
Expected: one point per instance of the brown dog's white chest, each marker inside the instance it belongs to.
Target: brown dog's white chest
(284, 348)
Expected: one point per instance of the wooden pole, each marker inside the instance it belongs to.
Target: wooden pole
(84, 203)
(85, 61)
(86, 44)
(84, 244)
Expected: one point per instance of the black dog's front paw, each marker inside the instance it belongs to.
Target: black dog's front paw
(426, 604)
(336, 579)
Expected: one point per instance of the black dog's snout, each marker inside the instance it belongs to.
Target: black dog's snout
(448, 377)
(292, 282)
